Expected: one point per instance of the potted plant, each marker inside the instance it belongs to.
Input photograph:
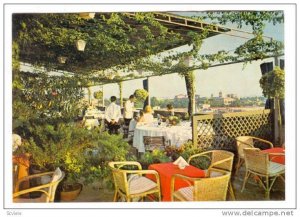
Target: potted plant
(185, 150)
(60, 146)
(141, 95)
(272, 84)
(156, 156)
(82, 154)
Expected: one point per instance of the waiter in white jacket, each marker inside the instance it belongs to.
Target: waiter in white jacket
(128, 109)
(112, 116)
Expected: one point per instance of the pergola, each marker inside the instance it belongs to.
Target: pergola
(116, 46)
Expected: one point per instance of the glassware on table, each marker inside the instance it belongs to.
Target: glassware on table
(158, 119)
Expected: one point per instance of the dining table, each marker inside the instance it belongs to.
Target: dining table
(167, 170)
(97, 114)
(276, 158)
(90, 123)
(175, 135)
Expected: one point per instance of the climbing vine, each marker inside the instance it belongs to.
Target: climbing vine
(117, 44)
(125, 43)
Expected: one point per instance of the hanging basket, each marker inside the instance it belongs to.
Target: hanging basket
(62, 59)
(80, 44)
(87, 15)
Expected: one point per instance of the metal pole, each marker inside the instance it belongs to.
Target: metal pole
(149, 96)
(103, 95)
(276, 112)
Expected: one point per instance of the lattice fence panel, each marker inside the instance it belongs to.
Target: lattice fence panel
(220, 131)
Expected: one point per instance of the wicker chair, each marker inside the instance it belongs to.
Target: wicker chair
(131, 184)
(219, 159)
(202, 189)
(154, 142)
(48, 190)
(247, 142)
(258, 163)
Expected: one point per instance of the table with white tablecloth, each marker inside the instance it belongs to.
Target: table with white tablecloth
(95, 113)
(176, 135)
(91, 123)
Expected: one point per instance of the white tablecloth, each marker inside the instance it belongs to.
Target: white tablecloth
(90, 123)
(95, 112)
(177, 135)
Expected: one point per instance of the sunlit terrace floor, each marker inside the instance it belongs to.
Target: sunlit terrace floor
(252, 192)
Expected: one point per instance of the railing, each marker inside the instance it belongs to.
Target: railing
(220, 130)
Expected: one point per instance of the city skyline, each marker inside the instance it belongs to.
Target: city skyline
(243, 82)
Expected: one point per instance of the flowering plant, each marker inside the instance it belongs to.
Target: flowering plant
(174, 120)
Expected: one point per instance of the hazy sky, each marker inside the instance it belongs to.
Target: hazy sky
(228, 79)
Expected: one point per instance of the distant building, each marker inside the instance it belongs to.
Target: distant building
(231, 95)
(223, 100)
(181, 96)
(220, 94)
(206, 106)
(228, 100)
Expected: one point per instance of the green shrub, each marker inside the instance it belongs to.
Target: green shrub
(185, 150)
(156, 156)
(82, 154)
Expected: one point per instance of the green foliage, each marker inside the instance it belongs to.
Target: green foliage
(112, 39)
(258, 48)
(45, 98)
(156, 156)
(128, 42)
(272, 83)
(107, 148)
(141, 94)
(155, 102)
(59, 146)
(98, 95)
(255, 19)
(185, 150)
(82, 154)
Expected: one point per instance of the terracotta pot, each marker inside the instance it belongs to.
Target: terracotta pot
(70, 192)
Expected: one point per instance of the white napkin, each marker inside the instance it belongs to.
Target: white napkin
(181, 162)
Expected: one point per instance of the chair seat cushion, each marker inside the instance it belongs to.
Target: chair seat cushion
(141, 184)
(276, 168)
(186, 193)
(56, 175)
(213, 173)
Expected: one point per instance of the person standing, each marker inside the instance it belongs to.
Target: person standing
(113, 116)
(128, 109)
